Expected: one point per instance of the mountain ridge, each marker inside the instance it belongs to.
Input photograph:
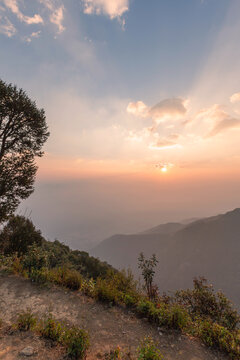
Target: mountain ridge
(207, 247)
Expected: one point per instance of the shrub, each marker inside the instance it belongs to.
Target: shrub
(148, 271)
(202, 301)
(178, 317)
(122, 280)
(51, 329)
(18, 234)
(145, 307)
(35, 259)
(114, 354)
(129, 301)
(148, 350)
(88, 287)
(26, 321)
(106, 292)
(71, 279)
(39, 276)
(77, 342)
(215, 335)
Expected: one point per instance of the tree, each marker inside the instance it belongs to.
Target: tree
(147, 267)
(18, 234)
(23, 132)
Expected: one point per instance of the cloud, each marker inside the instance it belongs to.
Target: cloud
(6, 27)
(57, 18)
(218, 118)
(168, 108)
(34, 35)
(235, 98)
(138, 108)
(111, 8)
(168, 142)
(56, 10)
(13, 6)
(223, 125)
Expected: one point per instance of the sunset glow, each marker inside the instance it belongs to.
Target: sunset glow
(129, 97)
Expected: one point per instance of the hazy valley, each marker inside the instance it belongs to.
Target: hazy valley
(208, 247)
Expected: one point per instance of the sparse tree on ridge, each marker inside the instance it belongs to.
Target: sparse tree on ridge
(23, 132)
(147, 267)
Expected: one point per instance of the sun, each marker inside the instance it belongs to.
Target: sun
(164, 169)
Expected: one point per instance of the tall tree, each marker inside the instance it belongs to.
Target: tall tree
(23, 132)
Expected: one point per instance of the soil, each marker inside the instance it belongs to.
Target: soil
(108, 327)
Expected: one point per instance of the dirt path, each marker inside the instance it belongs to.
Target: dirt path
(108, 327)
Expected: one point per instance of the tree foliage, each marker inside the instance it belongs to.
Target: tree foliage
(148, 271)
(18, 234)
(23, 132)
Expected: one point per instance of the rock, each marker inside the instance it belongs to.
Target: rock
(27, 351)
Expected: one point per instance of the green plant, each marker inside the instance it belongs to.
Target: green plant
(148, 350)
(34, 260)
(115, 354)
(69, 278)
(147, 267)
(215, 335)
(26, 321)
(23, 132)
(178, 317)
(88, 287)
(51, 329)
(106, 292)
(129, 301)
(77, 342)
(18, 234)
(203, 302)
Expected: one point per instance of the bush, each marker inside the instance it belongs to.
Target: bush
(148, 350)
(51, 329)
(178, 318)
(172, 316)
(18, 234)
(203, 302)
(114, 354)
(77, 342)
(215, 335)
(88, 287)
(129, 301)
(145, 307)
(35, 259)
(26, 321)
(71, 279)
(106, 292)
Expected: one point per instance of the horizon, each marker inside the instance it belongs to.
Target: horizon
(143, 106)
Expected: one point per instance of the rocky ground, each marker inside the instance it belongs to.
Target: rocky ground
(108, 327)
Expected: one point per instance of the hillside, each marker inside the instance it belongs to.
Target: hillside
(108, 327)
(208, 247)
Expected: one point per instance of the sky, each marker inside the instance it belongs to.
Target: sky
(142, 99)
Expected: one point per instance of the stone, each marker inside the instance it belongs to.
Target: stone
(27, 351)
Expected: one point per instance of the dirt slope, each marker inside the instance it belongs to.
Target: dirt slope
(108, 327)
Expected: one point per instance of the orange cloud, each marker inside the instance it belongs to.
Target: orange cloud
(235, 98)
(112, 8)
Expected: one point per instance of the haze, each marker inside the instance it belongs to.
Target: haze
(143, 104)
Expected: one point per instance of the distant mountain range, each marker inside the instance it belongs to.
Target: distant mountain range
(207, 247)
